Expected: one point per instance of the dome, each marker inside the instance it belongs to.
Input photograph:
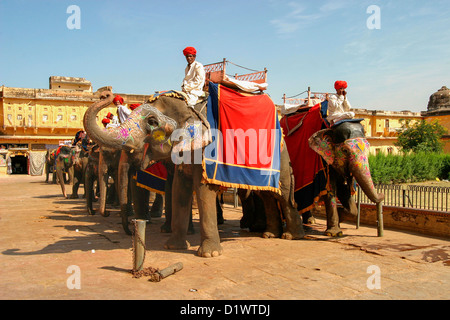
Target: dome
(440, 100)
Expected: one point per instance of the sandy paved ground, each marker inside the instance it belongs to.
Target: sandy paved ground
(44, 235)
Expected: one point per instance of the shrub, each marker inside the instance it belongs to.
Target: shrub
(412, 167)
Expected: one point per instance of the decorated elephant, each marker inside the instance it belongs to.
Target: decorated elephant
(102, 164)
(346, 151)
(327, 161)
(50, 165)
(147, 134)
(74, 161)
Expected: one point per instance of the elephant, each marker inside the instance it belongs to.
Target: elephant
(50, 164)
(102, 163)
(146, 134)
(345, 150)
(73, 160)
(133, 198)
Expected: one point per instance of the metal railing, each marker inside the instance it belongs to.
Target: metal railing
(412, 196)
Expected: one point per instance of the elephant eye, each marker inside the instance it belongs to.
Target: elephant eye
(153, 122)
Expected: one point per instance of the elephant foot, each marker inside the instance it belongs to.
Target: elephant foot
(73, 196)
(293, 235)
(177, 244)
(269, 235)
(334, 232)
(105, 213)
(210, 249)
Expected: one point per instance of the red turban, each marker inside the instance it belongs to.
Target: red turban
(134, 106)
(118, 98)
(105, 121)
(109, 115)
(340, 85)
(189, 50)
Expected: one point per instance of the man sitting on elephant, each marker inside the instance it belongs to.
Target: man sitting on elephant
(194, 79)
(338, 105)
(122, 111)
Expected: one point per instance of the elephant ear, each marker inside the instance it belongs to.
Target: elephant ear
(194, 135)
(322, 143)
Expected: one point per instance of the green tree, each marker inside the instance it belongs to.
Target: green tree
(421, 136)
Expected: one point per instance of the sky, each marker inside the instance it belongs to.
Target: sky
(393, 54)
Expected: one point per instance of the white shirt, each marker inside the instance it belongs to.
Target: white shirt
(123, 113)
(193, 82)
(338, 108)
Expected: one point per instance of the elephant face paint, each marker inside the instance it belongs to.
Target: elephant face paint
(358, 150)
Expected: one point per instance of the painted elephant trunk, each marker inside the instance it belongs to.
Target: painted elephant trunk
(129, 135)
(359, 167)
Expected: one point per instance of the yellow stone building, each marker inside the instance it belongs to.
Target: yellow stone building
(34, 120)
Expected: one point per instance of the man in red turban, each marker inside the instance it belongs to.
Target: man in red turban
(338, 105)
(190, 50)
(194, 78)
(105, 122)
(122, 111)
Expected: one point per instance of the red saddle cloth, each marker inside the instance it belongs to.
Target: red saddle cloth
(310, 179)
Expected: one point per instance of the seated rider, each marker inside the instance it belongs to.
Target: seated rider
(122, 111)
(194, 79)
(338, 105)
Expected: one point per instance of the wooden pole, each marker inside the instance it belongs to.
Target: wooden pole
(380, 219)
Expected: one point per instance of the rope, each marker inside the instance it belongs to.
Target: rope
(243, 67)
(297, 95)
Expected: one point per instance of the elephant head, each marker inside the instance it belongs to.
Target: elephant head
(153, 131)
(346, 150)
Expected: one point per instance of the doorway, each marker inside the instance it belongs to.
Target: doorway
(19, 165)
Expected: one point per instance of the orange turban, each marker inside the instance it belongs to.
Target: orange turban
(134, 106)
(340, 85)
(118, 98)
(189, 50)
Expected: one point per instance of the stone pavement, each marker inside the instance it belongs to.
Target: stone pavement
(43, 236)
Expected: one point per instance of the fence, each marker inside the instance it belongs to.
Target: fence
(412, 196)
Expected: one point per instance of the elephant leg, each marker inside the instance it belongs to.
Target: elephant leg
(157, 207)
(167, 226)
(181, 208)
(103, 184)
(294, 227)
(59, 174)
(219, 211)
(126, 208)
(343, 192)
(330, 199)
(274, 228)
(89, 180)
(141, 197)
(76, 182)
(210, 240)
(248, 209)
